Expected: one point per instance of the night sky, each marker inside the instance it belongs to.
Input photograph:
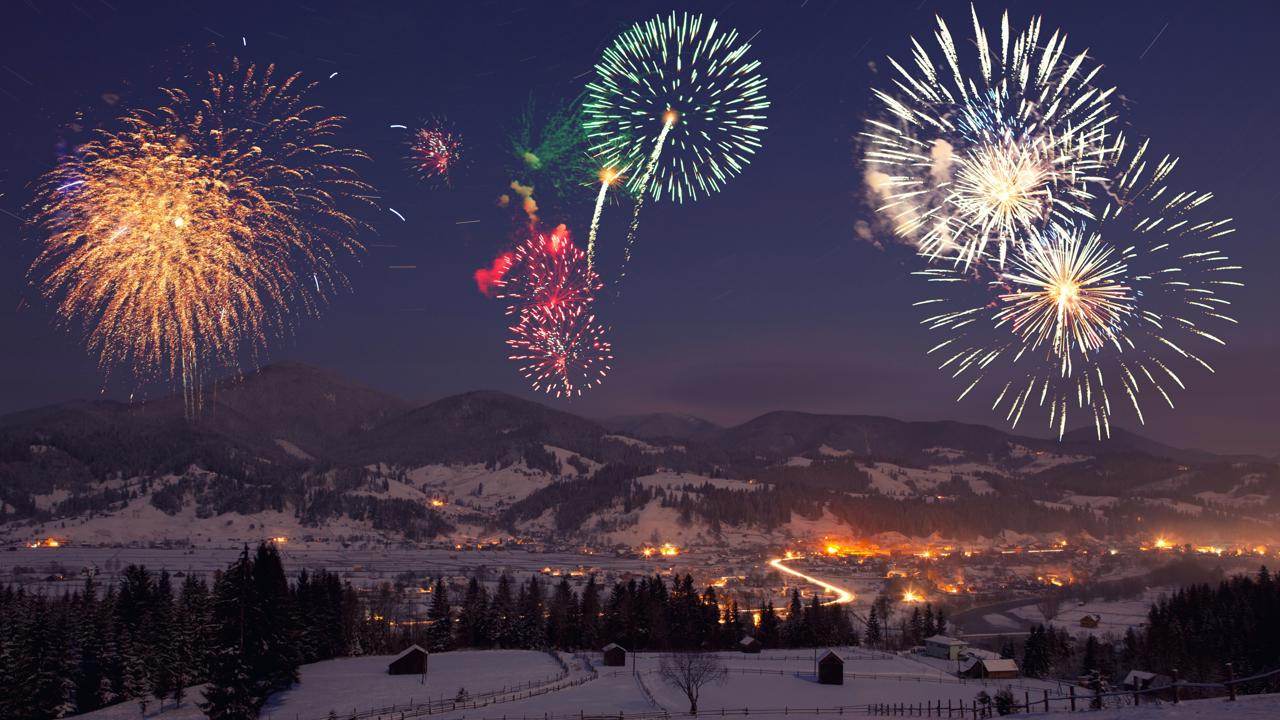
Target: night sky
(759, 298)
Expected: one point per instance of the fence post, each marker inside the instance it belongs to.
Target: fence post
(1046, 702)
(1231, 682)
(948, 707)
(1073, 698)
(1174, 673)
(1026, 699)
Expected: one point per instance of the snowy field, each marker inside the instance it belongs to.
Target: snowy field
(516, 684)
(1113, 617)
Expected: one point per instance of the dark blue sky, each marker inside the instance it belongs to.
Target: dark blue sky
(758, 298)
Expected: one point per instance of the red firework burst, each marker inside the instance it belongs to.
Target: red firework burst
(562, 353)
(435, 149)
(548, 274)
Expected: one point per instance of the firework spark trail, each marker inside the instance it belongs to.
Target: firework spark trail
(965, 159)
(1092, 312)
(669, 121)
(607, 177)
(182, 241)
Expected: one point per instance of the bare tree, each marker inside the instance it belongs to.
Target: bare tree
(689, 672)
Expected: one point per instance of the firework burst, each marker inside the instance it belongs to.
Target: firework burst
(194, 233)
(561, 353)
(1112, 306)
(547, 274)
(435, 151)
(963, 158)
(678, 97)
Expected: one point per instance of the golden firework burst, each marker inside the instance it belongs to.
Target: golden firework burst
(196, 231)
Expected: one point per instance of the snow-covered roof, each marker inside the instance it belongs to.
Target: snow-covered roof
(1000, 665)
(408, 650)
(831, 654)
(1136, 676)
(944, 640)
(611, 646)
(747, 640)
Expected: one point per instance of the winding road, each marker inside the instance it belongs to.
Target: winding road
(842, 595)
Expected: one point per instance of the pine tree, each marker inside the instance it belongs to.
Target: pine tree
(873, 629)
(439, 632)
(794, 629)
(532, 616)
(768, 630)
(473, 623)
(502, 616)
(235, 690)
(277, 664)
(162, 634)
(590, 614)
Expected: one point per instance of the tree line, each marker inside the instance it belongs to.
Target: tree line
(244, 634)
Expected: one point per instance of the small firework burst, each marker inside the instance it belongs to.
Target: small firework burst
(966, 157)
(561, 353)
(547, 274)
(435, 151)
(195, 232)
(1118, 301)
(678, 99)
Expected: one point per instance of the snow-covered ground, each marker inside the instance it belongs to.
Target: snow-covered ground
(1250, 707)
(780, 680)
(1113, 617)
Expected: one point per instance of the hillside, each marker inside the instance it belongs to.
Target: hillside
(305, 451)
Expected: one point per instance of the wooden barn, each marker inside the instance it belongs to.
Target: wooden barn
(751, 645)
(993, 668)
(412, 661)
(614, 655)
(1090, 621)
(831, 669)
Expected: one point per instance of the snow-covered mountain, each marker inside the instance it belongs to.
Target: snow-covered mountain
(293, 450)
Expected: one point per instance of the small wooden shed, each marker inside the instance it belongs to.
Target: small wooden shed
(990, 668)
(831, 669)
(614, 655)
(751, 645)
(411, 661)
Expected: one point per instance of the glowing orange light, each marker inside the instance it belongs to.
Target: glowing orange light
(669, 550)
(833, 549)
(670, 117)
(911, 596)
(437, 502)
(1162, 544)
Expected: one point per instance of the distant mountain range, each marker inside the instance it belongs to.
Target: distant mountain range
(303, 440)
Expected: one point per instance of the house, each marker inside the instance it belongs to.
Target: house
(989, 668)
(831, 669)
(411, 661)
(614, 655)
(1090, 621)
(751, 645)
(1143, 680)
(941, 646)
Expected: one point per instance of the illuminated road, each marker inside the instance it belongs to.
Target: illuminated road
(842, 595)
